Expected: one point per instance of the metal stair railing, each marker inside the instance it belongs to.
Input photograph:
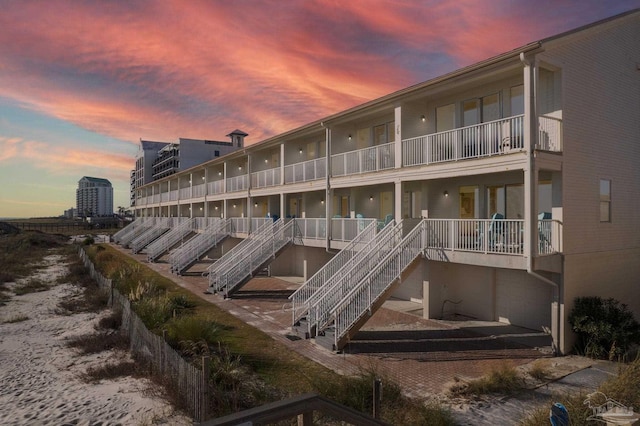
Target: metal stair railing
(331, 294)
(262, 251)
(128, 229)
(170, 239)
(160, 227)
(189, 252)
(362, 298)
(148, 223)
(239, 250)
(301, 296)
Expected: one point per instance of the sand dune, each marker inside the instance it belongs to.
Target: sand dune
(40, 375)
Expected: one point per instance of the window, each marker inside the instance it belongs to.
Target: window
(383, 133)
(445, 118)
(517, 100)
(605, 200)
(468, 207)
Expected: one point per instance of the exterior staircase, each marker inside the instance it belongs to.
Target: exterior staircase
(117, 237)
(363, 300)
(244, 261)
(299, 299)
(161, 226)
(170, 239)
(322, 302)
(188, 253)
(135, 231)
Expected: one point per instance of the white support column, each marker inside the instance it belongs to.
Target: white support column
(397, 205)
(398, 137)
(281, 164)
(530, 173)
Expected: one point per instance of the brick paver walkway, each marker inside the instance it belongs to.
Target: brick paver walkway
(423, 357)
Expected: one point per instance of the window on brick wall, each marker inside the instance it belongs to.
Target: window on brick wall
(605, 200)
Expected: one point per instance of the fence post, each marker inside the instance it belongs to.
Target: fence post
(205, 388)
(377, 397)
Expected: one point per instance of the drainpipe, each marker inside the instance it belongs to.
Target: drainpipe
(530, 127)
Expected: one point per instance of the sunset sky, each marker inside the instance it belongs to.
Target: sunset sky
(82, 82)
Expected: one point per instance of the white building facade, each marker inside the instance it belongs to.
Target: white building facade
(94, 197)
(522, 171)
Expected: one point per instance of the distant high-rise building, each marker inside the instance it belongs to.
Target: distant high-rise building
(94, 197)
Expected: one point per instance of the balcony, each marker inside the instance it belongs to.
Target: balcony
(216, 187)
(373, 159)
(238, 183)
(481, 140)
(491, 236)
(306, 171)
(199, 190)
(265, 178)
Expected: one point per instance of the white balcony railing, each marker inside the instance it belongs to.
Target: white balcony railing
(306, 171)
(549, 134)
(164, 197)
(199, 190)
(481, 140)
(312, 228)
(344, 229)
(376, 158)
(173, 195)
(185, 193)
(216, 187)
(237, 183)
(156, 198)
(549, 236)
(265, 178)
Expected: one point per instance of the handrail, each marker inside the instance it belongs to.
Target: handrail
(300, 297)
(199, 244)
(323, 301)
(141, 241)
(135, 232)
(362, 297)
(117, 237)
(171, 238)
(260, 251)
(236, 253)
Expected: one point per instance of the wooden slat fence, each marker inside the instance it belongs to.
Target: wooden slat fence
(163, 359)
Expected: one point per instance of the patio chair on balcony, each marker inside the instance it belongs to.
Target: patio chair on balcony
(382, 223)
(496, 231)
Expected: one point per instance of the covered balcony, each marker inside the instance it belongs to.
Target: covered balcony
(496, 137)
(366, 160)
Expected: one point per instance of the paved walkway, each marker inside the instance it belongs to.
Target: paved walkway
(422, 356)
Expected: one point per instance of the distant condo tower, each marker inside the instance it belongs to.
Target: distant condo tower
(94, 197)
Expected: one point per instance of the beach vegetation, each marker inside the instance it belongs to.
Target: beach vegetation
(623, 388)
(247, 366)
(17, 318)
(606, 328)
(30, 285)
(505, 380)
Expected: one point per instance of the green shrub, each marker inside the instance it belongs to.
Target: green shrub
(153, 311)
(606, 329)
(88, 241)
(191, 328)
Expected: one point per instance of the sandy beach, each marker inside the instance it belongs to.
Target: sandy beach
(41, 376)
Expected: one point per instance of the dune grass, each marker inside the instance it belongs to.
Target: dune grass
(247, 363)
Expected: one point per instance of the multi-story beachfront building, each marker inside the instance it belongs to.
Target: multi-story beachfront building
(94, 197)
(156, 160)
(500, 191)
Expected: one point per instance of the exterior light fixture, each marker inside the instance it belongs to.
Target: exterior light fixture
(255, 204)
(239, 167)
(423, 118)
(322, 201)
(300, 151)
(370, 197)
(445, 193)
(349, 136)
(216, 207)
(266, 161)
(219, 173)
(234, 206)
